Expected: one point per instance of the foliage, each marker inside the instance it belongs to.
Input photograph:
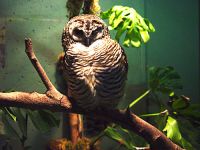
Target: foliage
(177, 114)
(16, 122)
(124, 137)
(164, 79)
(126, 19)
(174, 134)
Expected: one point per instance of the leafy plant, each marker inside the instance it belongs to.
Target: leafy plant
(16, 122)
(164, 81)
(173, 132)
(126, 19)
(124, 137)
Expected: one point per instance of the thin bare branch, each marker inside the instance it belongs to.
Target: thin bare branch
(30, 53)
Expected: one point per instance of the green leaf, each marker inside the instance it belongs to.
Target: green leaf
(161, 121)
(191, 133)
(22, 121)
(117, 21)
(179, 103)
(164, 79)
(142, 23)
(111, 18)
(9, 128)
(134, 37)
(124, 19)
(122, 29)
(174, 134)
(150, 25)
(131, 138)
(171, 94)
(145, 35)
(127, 41)
(8, 111)
(191, 111)
(43, 120)
(113, 134)
(105, 15)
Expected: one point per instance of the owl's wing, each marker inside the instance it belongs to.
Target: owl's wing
(125, 61)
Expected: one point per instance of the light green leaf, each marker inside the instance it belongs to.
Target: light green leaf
(141, 22)
(127, 41)
(117, 21)
(8, 111)
(174, 134)
(135, 42)
(105, 14)
(145, 35)
(134, 37)
(111, 18)
(150, 25)
(124, 19)
(122, 29)
(171, 94)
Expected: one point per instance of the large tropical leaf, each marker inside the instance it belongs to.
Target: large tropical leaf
(164, 79)
(127, 20)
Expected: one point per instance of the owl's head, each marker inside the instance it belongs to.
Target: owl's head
(85, 29)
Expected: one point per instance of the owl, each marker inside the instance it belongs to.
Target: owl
(95, 66)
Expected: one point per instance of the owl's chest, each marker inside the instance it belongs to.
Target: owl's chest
(90, 74)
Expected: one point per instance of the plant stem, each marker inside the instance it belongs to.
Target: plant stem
(154, 114)
(139, 98)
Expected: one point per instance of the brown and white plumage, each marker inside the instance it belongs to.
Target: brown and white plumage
(95, 65)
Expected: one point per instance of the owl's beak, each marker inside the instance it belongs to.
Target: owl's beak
(88, 41)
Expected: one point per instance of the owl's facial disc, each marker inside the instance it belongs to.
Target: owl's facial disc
(86, 32)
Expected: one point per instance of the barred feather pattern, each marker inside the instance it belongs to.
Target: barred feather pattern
(96, 74)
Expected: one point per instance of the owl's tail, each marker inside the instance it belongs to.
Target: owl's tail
(93, 126)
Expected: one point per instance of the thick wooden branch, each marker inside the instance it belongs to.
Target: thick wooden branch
(34, 100)
(55, 101)
(126, 119)
(130, 121)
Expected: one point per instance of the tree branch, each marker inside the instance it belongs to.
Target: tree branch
(55, 101)
(91, 7)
